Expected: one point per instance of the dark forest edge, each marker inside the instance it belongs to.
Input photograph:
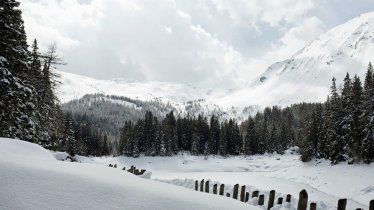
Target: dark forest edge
(340, 129)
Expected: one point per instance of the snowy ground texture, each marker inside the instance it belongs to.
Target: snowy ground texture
(285, 174)
(33, 178)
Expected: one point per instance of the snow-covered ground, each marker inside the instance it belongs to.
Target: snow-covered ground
(32, 178)
(285, 174)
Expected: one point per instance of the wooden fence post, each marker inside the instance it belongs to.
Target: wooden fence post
(221, 189)
(371, 205)
(236, 191)
(280, 200)
(261, 200)
(255, 193)
(207, 186)
(271, 199)
(197, 185)
(288, 198)
(228, 194)
(313, 206)
(242, 193)
(215, 189)
(342, 203)
(246, 197)
(303, 200)
(202, 185)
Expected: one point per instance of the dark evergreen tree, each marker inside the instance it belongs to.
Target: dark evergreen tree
(17, 108)
(69, 137)
(214, 135)
(367, 119)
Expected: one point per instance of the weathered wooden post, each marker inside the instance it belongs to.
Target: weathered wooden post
(288, 198)
(371, 205)
(255, 193)
(202, 185)
(236, 191)
(221, 189)
(227, 194)
(271, 199)
(197, 185)
(261, 200)
(313, 206)
(246, 197)
(342, 203)
(207, 186)
(303, 200)
(242, 193)
(280, 200)
(215, 189)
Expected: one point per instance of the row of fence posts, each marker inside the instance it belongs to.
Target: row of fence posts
(244, 196)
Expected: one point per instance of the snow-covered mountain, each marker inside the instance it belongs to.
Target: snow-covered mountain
(306, 76)
(161, 96)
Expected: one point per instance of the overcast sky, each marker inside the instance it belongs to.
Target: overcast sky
(206, 43)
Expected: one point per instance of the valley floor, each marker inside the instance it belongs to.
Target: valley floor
(33, 178)
(285, 174)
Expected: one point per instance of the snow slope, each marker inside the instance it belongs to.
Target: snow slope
(286, 174)
(183, 98)
(307, 75)
(31, 178)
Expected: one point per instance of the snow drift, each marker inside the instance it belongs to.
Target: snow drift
(31, 178)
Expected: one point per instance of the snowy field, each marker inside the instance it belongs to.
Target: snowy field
(33, 178)
(285, 174)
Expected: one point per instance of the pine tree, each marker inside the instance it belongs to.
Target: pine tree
(17, 110)
(224, 138)
(309, 142)
(354, 144)
(367, 119)
(336, 147)
(71, 142)
(250, 139)
(346, 115)
(214, 135)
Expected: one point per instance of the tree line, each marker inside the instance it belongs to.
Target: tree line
(171, 135)
(342, 129)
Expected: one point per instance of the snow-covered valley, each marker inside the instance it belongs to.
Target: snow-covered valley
(31, 178)
(35, 178)
(285, 174)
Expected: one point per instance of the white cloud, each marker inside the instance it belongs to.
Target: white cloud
(209, 43)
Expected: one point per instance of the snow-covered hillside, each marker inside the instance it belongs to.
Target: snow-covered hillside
(180, 97)
(307, 75)
(31, 178)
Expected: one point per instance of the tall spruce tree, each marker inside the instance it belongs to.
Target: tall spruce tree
(367, 119)
(250, 139)
(17, 109)
(69, 137)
